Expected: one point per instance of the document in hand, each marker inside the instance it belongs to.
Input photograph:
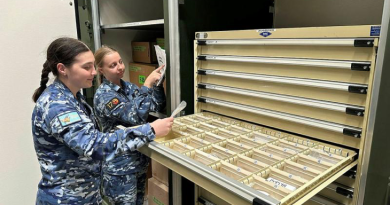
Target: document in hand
(161, 59)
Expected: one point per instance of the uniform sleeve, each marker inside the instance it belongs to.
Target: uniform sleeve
(79, 133)
(154, 99)
(158, 98)
(112, 105)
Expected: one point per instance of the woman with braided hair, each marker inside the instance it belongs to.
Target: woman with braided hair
(69, 146)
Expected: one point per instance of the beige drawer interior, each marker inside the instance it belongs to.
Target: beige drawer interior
(279, 165)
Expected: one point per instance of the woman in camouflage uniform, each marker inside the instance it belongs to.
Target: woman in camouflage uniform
(117, 102)
(67, 141)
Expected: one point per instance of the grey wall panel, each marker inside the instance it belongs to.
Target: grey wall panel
(312, 13)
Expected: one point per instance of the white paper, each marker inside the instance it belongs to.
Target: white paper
(279, 183)
(162, 60)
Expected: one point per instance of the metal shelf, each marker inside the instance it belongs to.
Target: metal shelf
(140, 25)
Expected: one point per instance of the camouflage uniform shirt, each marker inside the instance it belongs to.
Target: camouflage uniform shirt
(128, 106)
(70, 148)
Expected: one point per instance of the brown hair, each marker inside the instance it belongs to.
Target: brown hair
(62, 50)
(99, 56)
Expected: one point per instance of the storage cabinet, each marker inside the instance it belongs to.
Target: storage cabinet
(275, 127)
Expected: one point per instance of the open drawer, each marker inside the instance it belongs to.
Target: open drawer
(267, 173)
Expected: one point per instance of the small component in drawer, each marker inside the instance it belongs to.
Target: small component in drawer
(200, 118)
(238, 130)
(219, 124)
(300, 140)
(249, 164)
(295, 147)
(177, 124)
(268, 188)
(298, 170)
(178, 146)
(279, 183)
(277, 151)
(230, 170)
(193, 141)
(173, 134)
(217, 151)
(248, 141)
(261, 137)
(263, 157)
(202, 157)
(325, 157)
(185, 120)
(311, 163)
(234, 146)
(249, 126)
(190, 130)
(210, 137)
(205, 127)
(225, 133)
(283, 179)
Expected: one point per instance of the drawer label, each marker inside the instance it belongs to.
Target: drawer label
(375, 31)
(279, 183)
(265, 32)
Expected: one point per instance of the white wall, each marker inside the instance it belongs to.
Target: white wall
(26, 29)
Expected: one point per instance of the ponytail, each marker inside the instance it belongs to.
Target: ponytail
(44, 79)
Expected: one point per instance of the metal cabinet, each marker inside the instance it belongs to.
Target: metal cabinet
(307, 89)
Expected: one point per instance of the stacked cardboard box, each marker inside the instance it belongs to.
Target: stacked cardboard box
(158, 185)
(144, 59)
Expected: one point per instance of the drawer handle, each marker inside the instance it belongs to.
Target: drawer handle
(348, 109)
(355, 42)
(341, 64)
(349, 87)
(344, 129)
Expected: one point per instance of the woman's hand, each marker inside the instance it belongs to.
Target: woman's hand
(162, 126)
(153, 77)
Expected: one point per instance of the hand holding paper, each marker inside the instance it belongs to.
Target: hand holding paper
(161, 58)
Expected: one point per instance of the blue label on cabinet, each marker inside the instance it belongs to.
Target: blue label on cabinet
(375, 31)
(265, 34)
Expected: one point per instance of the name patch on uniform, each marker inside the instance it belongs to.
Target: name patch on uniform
(69, 118)
(113, 103)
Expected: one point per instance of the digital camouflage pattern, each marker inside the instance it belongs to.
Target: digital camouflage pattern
(70, 148)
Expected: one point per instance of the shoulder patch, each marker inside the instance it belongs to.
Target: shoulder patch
(112, 103)
(69, 118)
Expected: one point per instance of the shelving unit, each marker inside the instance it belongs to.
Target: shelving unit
(122, 21)
(140, 25)
(119, 29)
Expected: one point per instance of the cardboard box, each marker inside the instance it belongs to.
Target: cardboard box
(144, 52)
(158, 193)
(161, 42)
(160, 172)
(139, 72)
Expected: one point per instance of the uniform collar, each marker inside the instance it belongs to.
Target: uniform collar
(62, 87)
(113, 85)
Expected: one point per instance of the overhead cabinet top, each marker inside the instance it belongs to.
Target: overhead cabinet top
(365, 31)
